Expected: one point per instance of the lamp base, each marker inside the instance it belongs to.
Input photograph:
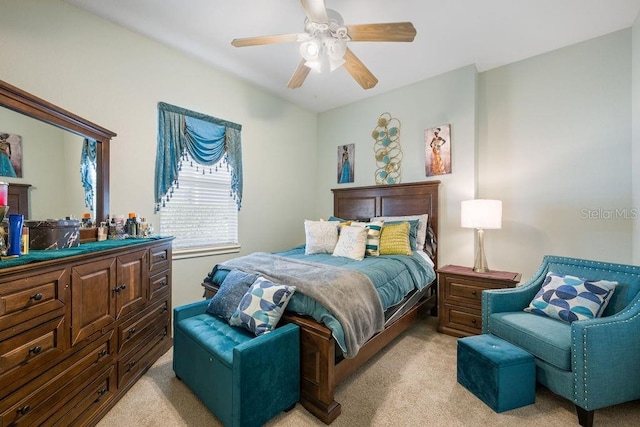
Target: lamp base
(480, 263)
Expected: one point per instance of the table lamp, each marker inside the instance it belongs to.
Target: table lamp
(481, 214)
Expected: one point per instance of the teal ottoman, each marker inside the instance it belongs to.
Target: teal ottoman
(500, 374)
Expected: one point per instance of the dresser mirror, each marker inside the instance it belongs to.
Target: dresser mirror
(51, 150)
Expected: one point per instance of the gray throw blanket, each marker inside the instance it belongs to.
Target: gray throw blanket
(348, 295)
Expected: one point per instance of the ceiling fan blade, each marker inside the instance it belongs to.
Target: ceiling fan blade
(358, 71)
(298, 76)
(256, 41)
(315, 10)
(389, 32)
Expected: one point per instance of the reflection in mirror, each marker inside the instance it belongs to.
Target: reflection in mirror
(50, 164)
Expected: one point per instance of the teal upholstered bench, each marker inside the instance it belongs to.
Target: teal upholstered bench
(243, 379)
(502, 375)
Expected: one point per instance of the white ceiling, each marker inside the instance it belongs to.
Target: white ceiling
(450, 34)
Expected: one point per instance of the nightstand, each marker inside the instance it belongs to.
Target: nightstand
(460, 295)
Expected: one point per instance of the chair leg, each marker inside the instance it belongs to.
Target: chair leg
(585, 418)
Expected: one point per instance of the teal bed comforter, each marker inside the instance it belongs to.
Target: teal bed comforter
(393, 276)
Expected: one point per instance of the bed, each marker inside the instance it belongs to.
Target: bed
(323, 361)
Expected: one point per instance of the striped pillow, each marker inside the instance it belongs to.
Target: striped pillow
(373, 236)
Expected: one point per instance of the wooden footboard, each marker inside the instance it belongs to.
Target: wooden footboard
(321, 371)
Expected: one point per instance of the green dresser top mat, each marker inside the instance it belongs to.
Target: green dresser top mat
(83, 248)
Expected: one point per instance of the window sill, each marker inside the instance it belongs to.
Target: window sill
(204, 251)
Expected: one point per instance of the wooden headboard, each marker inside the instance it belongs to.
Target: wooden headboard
(363, 203)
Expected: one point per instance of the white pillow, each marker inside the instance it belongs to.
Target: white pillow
(421, 239)
(352, 243)
(321, 236)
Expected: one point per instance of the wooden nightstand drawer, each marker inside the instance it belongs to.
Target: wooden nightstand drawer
(462, 319)
(464, 290)
(460, 297)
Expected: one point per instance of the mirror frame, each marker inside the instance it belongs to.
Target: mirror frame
(30, 105)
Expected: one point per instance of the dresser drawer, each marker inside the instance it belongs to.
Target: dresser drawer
(140, 327)
(159, 258)
(134, 364)
(24, 301)
(87, 401)
(24, 353)
(159, 284)
(40, 402)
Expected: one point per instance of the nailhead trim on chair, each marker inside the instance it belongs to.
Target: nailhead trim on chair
(584, 356)
(580, 264)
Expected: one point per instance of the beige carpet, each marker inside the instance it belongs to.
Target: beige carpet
(411, 383)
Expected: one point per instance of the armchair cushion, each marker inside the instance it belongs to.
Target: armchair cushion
(570, 298)
(524, 330)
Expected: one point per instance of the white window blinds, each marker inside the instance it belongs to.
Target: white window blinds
(202, 212)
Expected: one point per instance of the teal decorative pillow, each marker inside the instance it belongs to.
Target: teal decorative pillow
(262, 306)
(232, 289)
(571, 298)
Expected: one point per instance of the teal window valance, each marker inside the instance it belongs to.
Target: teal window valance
(205, 139)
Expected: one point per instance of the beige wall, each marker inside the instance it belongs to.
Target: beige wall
(115, 78)
(555, 146)
(635, 134)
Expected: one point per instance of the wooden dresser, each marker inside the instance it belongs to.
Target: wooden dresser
(460, 296)
(77, 332)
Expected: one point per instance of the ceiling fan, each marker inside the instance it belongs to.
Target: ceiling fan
(325, 40)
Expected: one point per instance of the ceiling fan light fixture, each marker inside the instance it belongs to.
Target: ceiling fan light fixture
(316, 66)
(336, 63)
(311, 50)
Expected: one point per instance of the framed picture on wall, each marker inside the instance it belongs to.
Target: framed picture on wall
(10, 155)
(346, 163)
(437, 150)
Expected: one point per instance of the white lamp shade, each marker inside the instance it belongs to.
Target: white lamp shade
(481, 213)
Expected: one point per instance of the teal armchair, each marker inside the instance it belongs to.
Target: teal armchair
(593, 363)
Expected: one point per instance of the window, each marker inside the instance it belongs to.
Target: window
(202, 211)
(198, 181)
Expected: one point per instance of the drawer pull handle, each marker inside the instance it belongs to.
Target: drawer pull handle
(474, 321)
(103, 353)
(120, 288)
(23, 410)
(163, 256)
(35, 350)
(130, 332)
(101, 393)
(474, 293)
(36, 297)
(130, 365)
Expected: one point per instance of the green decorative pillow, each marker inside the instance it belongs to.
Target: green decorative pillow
(351, 243)
(262, 306)
(373, 235)
(571, 298)
(394, 239)
(413, 232)
(423, 221)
